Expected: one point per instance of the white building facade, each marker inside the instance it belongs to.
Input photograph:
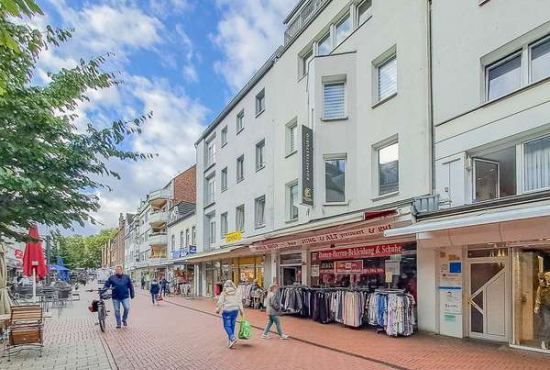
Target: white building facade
(182, 242)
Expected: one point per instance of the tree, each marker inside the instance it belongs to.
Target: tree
(82, 252)
(49, 168)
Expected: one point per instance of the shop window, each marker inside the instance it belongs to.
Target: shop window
(494, 175)
(537, 164)
(335, 180)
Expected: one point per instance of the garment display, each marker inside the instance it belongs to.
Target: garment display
(542, 307)
(245, 290)
(393, 310)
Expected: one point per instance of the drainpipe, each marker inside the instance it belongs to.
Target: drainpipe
(431, 140)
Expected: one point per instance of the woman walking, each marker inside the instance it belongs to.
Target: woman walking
(273, 312)
(154, 289)
(230, 304)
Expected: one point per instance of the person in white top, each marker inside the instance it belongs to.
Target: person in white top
(230, 304)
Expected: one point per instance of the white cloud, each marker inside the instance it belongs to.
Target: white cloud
(248, 33)
(166, 8)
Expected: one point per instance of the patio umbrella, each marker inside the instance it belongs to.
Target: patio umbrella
(5, 302)
(33, 260)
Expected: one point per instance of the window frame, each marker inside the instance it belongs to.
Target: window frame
(223, 135)
(257, 201)
(260, 146)
(238, 211)
(210, 196)
(211, 228)
(291, 146)
(336, 157)
(240, 168)
(358, 22)
(240, 121)
(290, 204)
(326, 36)
(333, 82)
(224, 224)
(337, 24)
(376, 167)
(487, 68)
(187, 236)
(210, 159)
(523, 167)
(181, 240)
(224, 179)
(194, 235)
(380, 62)
(306, 57)
(260, 102)
(530, 48)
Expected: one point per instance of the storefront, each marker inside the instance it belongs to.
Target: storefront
(182, 278)
(243, 271)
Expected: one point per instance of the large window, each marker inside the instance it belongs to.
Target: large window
(334, 98)
(210, 153)
(540, 60)
(292, 201)
(224, 227)
(239, 218)
(210, 190)
(387, 78)
(325, 45)
(259, 218)
(260, 155)
(343, 29)
(240, 168)
(504, 77)
(291, 137)
(260, 102)
(240, 121)
(537, 164)
(224, 136)
(224, 179)
(335, 180)
(388, 169)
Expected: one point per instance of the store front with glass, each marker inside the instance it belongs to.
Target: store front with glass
(240, 270)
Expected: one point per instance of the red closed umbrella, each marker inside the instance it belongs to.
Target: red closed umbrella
(34, 256)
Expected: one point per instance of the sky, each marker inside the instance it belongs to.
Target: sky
(181, 59)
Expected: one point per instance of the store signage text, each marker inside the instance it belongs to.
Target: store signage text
(348, 267)
(328, 238)
(307, 166)
(361, 252)
(233, 237)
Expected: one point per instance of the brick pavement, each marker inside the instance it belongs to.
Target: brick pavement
(72, 342)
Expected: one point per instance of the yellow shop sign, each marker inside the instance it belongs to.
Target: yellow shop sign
(233, 237)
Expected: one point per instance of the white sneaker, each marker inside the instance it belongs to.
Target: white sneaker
(232, 343)
(544, 346)
(284, 337)
(264, 336)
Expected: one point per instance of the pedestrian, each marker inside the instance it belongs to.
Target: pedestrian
(154, 289)
(230, 304)
(273, 311)
(123, 291)
(142, 282)
(163, 286)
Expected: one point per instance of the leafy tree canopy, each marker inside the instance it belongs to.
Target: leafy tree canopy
(81, 251)
(48, 168)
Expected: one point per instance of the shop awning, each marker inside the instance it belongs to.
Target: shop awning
(215, 254)
(515, 223)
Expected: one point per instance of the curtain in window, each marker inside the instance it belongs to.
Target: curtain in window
(260, 212)
(387, 79)
(240, 219)
(537, 164)
(334, 98)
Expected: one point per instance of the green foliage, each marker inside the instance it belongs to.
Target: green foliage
(48, 168)
(81, 251)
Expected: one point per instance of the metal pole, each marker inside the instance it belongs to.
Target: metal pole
(48, 259)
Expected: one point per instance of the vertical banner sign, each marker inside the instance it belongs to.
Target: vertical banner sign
(307, 166)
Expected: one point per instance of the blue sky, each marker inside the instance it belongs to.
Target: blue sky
(182, 59)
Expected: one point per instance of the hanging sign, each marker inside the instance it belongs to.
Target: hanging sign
(384, 250)
(348, 267)
(307, 166)
(315, 271)
(233, 237)
(392, 267)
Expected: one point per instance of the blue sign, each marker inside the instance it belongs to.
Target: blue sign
(176, 254)
(192, 249)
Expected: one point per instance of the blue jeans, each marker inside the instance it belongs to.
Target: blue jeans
(154, 297)
(229, 322)
(126, 305)
(273, 320)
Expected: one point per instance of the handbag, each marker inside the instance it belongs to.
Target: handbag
(245, 330)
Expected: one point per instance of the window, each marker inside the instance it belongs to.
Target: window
(210, 153)
(324, 46)
(334, 97)
(223, 225)
(210, 190)
(388, 169)
(540, 61)
(503, 77)
(292, 201)
(306, 59)
(364, 11)
(187, 240)
(240, 168)
(224, 136)
(211, 222)
(260, 102)
(173, 244)
(193, 235)
(335, 180)
(240, 218)
(536, 164)
(260, 155)
(224, 179)
(240, 121)
(259, 218)
(343, 29)
(181, 239)
(387, 78)
(291, 138)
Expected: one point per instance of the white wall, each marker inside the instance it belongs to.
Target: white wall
(176, 228)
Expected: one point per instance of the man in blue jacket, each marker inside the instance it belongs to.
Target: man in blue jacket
(123, 290)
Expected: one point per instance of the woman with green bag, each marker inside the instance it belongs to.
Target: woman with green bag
(273, 311)
(230, 304)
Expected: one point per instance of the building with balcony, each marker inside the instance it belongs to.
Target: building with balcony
(324, 148)
(182, 244)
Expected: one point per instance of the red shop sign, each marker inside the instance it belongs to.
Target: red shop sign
(383, 250)
(18, 254)
(348, 267)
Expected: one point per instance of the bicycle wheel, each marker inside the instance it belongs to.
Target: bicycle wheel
(101, 315)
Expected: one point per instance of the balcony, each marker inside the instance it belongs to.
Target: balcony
(158, 219)
(306, 14)
(158, 239)
(158, 198)
(157, 262)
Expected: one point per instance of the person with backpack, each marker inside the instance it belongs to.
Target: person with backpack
(274, 311)
(154, 290)
(230, 304)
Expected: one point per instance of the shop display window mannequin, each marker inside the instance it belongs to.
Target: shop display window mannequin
(542, 308)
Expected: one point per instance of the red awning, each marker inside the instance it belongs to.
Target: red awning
(34, 256)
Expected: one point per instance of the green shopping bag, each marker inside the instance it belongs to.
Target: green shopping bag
(245, 330)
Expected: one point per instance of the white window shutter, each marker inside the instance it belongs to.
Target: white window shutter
(335, 100)
(387, 79)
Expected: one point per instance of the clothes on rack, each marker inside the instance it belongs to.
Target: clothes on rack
(245, 290)
(392, 310)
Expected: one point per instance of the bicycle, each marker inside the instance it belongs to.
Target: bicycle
(99, 306)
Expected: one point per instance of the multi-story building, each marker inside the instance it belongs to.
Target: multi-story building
(490, 241)
(182, 234)
(323, 149)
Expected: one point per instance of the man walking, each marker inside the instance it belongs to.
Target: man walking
(123, 290)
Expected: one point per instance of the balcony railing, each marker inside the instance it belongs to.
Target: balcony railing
(161, 194)
(158, 218)
(158, 239)
(301, 19)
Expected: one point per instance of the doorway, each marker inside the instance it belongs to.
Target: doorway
(489, 295)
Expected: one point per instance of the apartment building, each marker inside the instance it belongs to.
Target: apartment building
(490, 241)
(323, 150)
(182, 233)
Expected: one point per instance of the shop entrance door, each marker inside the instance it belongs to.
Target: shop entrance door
(290, 275)
(489, 297)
